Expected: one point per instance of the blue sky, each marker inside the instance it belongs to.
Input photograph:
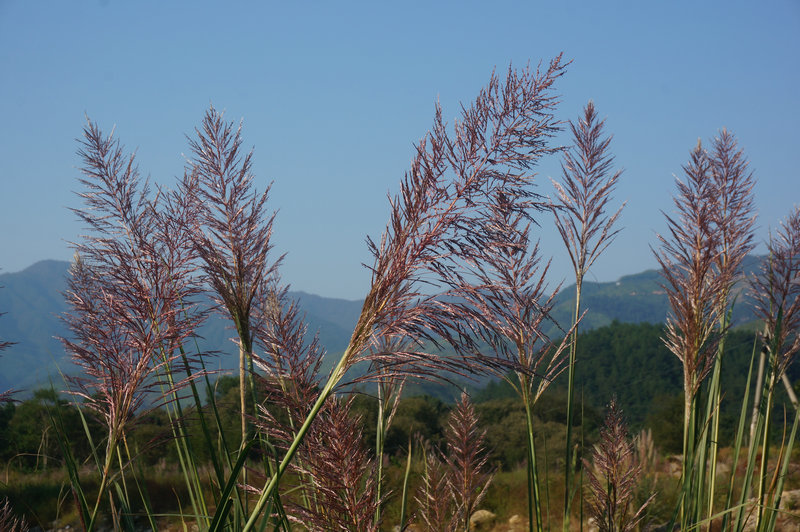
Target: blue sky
(334, 95)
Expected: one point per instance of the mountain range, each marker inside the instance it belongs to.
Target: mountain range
(32, 302)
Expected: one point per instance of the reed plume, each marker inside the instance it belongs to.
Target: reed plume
(289, 364)
(582, 202)
(434, 498)
(437, 219)
(734, 215)
(129, 293)
(341, 472)
(694, 288)
(613, 476)
(508, 309)
(586, 228)
(431, 227)
(700, 263)
(701, 259)
(129, 288)
(776, 292)
(455, 481)
(232, 231)
(467, 461)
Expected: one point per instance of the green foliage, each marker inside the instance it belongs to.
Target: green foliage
(28, 438)
(6, 414)
(424, 416)
(666, 421)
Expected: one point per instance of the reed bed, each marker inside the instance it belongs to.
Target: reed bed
(458, 266)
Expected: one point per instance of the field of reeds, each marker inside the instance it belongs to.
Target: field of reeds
(457, 270)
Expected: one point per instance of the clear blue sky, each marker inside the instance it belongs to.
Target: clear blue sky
(333, 96)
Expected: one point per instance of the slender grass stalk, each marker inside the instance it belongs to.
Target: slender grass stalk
(226, 501)
(710, 441)
(534, 497)
(380, 433)
(143, 495)
(765, 452)
(586, 230)
(79, 495)
(737, 447)
(700, 263)
(404, 494)
(390, 389)
(231, 232)
(763, 354)
(105, 474)
(782, 473)
(389, 392)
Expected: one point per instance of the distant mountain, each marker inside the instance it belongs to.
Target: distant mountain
(32, 301)
(637, 298)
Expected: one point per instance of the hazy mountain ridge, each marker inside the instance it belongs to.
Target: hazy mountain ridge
(639, 298)
(32, 302)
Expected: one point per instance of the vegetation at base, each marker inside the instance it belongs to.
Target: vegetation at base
(631, 355)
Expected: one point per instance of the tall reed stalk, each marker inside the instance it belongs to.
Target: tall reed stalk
(452, 176)
(701, 260)
(733, 220)
(586, 230)
(777, 293)
(231, 233)
(390, 389)
(128, 291)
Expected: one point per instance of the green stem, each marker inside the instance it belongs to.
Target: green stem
(110, 449)
(689, 446)
(764, 473)
(570, 398)
(404, 497)
(534, 506)
(712, 413)
(242, 392)
(379, 436)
